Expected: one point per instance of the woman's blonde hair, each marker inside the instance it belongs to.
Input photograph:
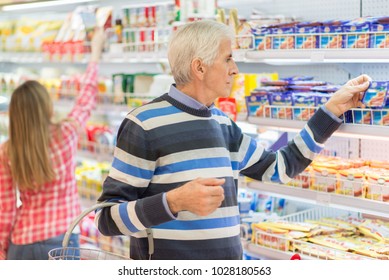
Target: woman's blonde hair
(199, 39)
(30, 111)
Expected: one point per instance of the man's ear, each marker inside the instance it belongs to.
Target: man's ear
(198, 68)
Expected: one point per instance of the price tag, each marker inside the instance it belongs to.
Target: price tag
(323, 198)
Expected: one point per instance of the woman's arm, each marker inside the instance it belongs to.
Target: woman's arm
(86, 100)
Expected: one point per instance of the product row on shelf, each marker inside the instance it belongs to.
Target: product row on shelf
(146, 28)
(139, 27)
(319, 233)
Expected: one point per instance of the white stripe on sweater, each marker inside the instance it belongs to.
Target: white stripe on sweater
(189, 175)
(118, 220)
(284, 178)
(255, 156)
(202, 234)
(193, 154)
(133, 160)
(224, 212)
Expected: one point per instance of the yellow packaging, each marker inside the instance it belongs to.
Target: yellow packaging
(250, 83)
(238, 92)
(375, 229)
(233, 22)
(351, 182)
(289, 225)
(377, 187)
(323, 179)
(268, 236)
(333, 242)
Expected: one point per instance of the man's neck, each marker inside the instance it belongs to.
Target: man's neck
(196, 92)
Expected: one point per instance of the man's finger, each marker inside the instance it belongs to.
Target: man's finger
(212, 181)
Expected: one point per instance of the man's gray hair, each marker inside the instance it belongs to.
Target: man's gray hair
(199, 39)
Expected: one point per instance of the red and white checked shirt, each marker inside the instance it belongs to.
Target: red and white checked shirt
(49, 212)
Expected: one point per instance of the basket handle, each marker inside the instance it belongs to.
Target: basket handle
(66, 239)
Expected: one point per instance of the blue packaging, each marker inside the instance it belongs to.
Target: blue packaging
(362, 116)
(331, 36)
(357, 35)
(376, 95)
(283, 36)
(261, 39)
(380, 36)
(381, 117)
(307, 35)
(321, 98)
(283, 105)
(303, 106)
(258, 105)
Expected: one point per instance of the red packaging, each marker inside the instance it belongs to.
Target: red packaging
(228, 106)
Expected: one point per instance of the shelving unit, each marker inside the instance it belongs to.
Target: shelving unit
(125, 57)
(376, 208)
(336, 66)
(359, 131)
(319, 56)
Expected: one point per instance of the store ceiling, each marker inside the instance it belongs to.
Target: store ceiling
(4, 2)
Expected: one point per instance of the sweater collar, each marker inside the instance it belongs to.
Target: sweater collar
(186, 99)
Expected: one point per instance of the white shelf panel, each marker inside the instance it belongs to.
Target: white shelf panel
(21, 57)
(118, 110)
(272, 254)
(351, 203)
(276, 57)
(135, 57)
(283, 57)
(346, 130)
(36, 57)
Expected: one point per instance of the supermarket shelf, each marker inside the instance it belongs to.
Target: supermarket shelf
(21, 57)
(350, 203)
(269, 253)
(35, 57)
(115, 110)
(126, 57)
(276, 57)
(102, 153)
(135, 57)
(268, 245)
(318, 56)
(346, 130)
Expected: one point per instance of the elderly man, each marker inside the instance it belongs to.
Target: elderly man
(177, 159)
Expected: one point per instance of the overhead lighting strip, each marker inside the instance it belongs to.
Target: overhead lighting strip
(36, 5)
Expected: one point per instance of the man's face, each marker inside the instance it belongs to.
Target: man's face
(219, 76)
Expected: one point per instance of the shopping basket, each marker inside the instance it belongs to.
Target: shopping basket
(73, 253)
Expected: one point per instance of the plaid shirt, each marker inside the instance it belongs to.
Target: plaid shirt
(49, 212)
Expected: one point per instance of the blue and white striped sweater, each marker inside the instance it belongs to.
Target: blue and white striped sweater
(165, 144)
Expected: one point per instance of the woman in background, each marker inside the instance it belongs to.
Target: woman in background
(38, 162)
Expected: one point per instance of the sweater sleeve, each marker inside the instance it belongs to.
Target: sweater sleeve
(86, 100)
(7, 204)
(131, 173)
(289, 161)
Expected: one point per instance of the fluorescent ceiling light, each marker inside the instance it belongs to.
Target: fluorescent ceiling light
(35, 5)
